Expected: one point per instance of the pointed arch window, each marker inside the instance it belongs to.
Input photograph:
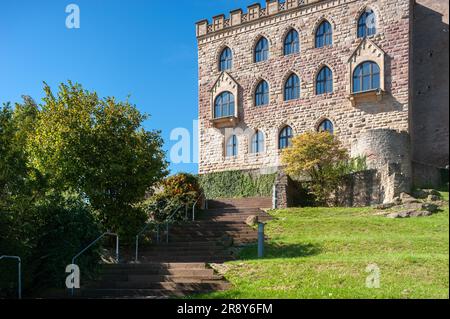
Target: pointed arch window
(285, 138)
(367, 24)
(232, 147)
(226, 60)
(257, 142)
(326, 126)
(324, 81)
(224, 105)
(366, 77)
(262, 94)
(324, 35)
(291, 43)
(292, 88)
(262, 50)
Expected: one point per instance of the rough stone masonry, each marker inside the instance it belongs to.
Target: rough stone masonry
(358, 119)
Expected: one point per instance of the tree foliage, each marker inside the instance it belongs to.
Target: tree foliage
(70, 168)
(98, 148)
(321, 158)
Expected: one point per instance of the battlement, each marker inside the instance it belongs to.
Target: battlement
(254, 12)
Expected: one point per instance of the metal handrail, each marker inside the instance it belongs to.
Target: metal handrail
(136, 258)
(19, 275)
(167, 222)
(92, 244)
(157, 224)
(202, 194)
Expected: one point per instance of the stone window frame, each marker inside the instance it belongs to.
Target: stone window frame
(283, 86)
(225, 147)
(280, 131)
(250, 144)
(325, 118)
(316, 74)
(318, 23)
(255, 86)
(367, 50)
(218, 54)
(255, 43)
(283, 38)
(378, 20)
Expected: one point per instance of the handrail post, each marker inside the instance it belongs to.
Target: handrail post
(117, 249)
(136, 252)
(167, 232)
(19, 273)
(157, 234)
(92, 244)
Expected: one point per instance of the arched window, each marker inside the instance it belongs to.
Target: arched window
(326, 126)
(224, 105)
(262, 50)
(257, 142)
(262, 94)
(366, 77)
(226, 59)
(324, 34)
(291, 43)
(324, 81)
(367, 24)
(292, 88)
(232, 146)
(285, 138)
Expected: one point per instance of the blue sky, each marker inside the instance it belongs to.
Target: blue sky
(143, 48)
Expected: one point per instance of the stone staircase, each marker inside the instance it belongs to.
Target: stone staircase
(180, 267)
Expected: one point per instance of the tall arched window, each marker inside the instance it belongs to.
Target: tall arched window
(292, 88)
(285, 138)
(224, 105)
(262, 50)
(226, 59)
(232, 146)
(291, 43)
(257, 142)
(326, 126)
(366, 77)
(262, 94)
(324, 81)
(367, 24)
(324, 34)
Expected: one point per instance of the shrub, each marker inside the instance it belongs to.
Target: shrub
(62, 232)
(322, 158)
(177, 191)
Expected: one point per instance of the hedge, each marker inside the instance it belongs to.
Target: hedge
(236, 184)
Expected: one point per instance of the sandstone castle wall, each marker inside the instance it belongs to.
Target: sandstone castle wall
(241, 32)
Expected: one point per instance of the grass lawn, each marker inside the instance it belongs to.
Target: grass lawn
(324, 253)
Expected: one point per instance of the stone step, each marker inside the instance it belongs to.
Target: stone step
(249, 202)
(131, 267)
(184, 286)
(163, 272)
(207, 259)
(133, 293)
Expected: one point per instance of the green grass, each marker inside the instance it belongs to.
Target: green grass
(324, 252)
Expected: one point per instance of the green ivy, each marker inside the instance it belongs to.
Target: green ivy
(236, 184)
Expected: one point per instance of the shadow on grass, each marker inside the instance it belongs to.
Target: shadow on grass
(278, 250)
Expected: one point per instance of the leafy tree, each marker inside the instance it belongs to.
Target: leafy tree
(97, 148)
(321, 158)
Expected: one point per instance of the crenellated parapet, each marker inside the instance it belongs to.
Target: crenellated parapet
(254, 12)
